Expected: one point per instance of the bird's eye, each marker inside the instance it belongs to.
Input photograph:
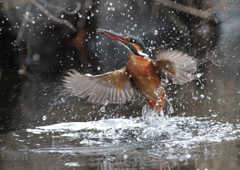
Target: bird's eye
(132, 40)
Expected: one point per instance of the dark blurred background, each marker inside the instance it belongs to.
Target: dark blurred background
(41, 40)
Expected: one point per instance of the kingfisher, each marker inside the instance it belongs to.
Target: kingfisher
(141, 74)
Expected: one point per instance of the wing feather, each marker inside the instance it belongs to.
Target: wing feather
(111, 87)
(180, 67)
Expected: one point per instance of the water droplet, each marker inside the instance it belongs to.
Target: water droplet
(98, 67)
(36, 57)
(198, 75)
(44, 118)
(106, 102)
(155, 32)
(72, 164)
(202, 96)
(102, 109)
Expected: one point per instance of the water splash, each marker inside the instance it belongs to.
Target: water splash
(150, 128)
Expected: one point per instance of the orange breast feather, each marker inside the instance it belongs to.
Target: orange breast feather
(144, 76)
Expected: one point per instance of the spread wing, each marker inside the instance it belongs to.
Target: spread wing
(111, 87)
(178, 65)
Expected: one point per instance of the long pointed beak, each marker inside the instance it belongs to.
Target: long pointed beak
(113, 35)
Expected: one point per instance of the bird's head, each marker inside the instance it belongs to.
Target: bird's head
(133, 44)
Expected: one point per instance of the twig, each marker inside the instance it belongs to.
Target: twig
(189, 10)
(52, 17)
(78, 4)
(46, 12)
(23, 25)
(23, 68)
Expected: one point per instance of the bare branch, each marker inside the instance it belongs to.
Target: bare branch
(189, 10)
(23, 25)
(52, 17)
(64, 9)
